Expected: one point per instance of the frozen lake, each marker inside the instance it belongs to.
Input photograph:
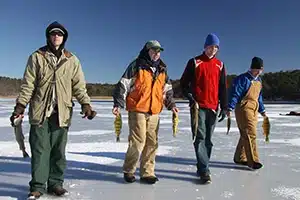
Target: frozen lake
(95, 160)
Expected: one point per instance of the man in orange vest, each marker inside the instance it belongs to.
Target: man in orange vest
(145, 88)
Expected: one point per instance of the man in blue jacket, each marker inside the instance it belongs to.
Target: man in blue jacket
(246, 98)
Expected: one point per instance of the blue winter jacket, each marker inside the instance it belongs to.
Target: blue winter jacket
(239, 89)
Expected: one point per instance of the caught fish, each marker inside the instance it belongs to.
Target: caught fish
(17, 125)
(118, 126)
(228, 124)
(175, 121)
(266, 128)
(194, 119)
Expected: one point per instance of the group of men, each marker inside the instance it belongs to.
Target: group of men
(53, 75)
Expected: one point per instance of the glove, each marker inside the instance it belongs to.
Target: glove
(222, 115)
(18, 110)
(87, 111)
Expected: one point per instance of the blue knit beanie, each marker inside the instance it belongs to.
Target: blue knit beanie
(212, 39)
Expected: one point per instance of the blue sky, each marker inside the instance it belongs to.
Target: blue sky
(107, 35)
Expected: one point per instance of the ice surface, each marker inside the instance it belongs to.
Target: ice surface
(94, 169)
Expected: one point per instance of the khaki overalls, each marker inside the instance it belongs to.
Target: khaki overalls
(247, 117)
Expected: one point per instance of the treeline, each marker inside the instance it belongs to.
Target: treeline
(283, 85)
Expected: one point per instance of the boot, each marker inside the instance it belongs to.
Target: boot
(149, 180)
(34, 195)
(58, 191)
(205, 178)
(240, 162)
(129, 177)
(256, 165)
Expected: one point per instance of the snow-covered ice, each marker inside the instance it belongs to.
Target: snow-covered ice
(95, 160)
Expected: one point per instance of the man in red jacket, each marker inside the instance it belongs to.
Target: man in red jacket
(204, 84)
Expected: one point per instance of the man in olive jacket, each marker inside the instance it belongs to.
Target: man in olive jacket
(52, 77)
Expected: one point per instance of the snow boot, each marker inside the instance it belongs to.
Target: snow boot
(149, 180)
(58, 191)
(129, 177)
(34, 195)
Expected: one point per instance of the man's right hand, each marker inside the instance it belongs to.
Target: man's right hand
(228, 113)
(116, 111)
(19, 109)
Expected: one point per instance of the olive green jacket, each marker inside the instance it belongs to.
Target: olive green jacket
(45, 73)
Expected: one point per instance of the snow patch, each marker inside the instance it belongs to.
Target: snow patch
(227, 194)
(7, 198)
(295, 142)
(289, 124)
(287, 193)
(90, 132)
(224, 129)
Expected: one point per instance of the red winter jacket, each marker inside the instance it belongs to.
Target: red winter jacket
(204, 81)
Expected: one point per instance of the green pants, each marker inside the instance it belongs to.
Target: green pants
(48, 162)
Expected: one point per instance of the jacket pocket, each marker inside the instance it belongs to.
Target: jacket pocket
(68, 114)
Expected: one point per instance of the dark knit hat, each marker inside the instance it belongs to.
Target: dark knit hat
(257, 63)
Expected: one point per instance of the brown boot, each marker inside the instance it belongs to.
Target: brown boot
(58, 191)
(34, 195)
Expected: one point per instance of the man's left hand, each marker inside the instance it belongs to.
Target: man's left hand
(222, 115)
(175, 110)
(87, 111)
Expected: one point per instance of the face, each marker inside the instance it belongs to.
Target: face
(154, 54)
(56, 38)
(257, 72)
(211, 50)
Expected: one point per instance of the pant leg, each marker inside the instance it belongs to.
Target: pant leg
(39, 140)
(59, 137)
(136, 140)
(248, 133)
(199, 143)
(240, 155)
(211, 119)
(151, 145)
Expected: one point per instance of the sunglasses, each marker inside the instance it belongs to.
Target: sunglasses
(54, 33)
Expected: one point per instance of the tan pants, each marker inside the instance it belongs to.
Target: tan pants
(246, 117)
(143, 130)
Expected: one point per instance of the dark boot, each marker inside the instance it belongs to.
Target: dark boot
(58, 191)
(34, 195)
(129, 177)
(256, 165)
(240, 162)
(149, 180)
(205, 178)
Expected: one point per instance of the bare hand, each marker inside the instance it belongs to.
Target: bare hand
(116, 111)
(175, 110)
(228, 113)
